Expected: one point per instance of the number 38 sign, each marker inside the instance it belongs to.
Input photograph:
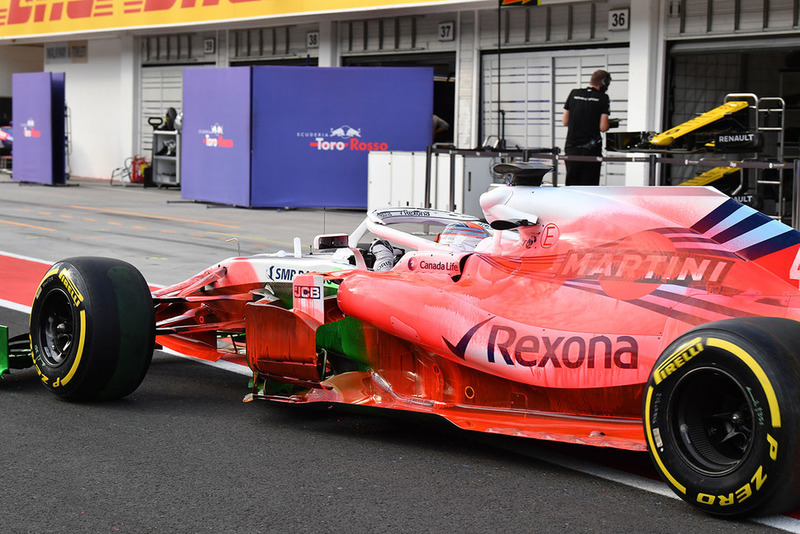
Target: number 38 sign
(618, 19)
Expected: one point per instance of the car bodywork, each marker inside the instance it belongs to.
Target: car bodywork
(642, 318)
(551, 334)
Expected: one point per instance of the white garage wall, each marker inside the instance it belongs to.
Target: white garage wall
(18, 58)
(99, 100)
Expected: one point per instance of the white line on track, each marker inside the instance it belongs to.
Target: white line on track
(781, 522)
(14, 306)
(26, 258)
(222, 364)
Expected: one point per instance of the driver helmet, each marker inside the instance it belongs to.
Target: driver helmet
(464, 235)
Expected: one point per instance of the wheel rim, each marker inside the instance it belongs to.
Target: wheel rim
(56, 328)
(713, 421)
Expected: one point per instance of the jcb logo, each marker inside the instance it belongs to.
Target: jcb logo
(307, 292)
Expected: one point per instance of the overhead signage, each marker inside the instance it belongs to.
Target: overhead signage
(24, 18)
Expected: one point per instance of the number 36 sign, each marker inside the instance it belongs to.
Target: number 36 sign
(618, 19)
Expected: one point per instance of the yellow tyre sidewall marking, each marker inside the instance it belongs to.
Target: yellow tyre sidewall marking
(81, 340)
(766, 385)
(772, 400)
(45, 278)
(53, 270)
(653, 450)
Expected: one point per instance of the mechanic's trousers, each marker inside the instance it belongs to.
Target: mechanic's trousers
(583, 172)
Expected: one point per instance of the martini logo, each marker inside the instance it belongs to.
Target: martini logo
(345, 138)
(214, 138)
(29, 129)
(645, 267)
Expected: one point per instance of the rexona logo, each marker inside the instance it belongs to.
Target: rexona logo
(506, 345)
(213, 138)
(29, 129)
(343, 138)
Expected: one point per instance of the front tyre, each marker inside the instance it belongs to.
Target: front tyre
(721, 416)
(92, 329)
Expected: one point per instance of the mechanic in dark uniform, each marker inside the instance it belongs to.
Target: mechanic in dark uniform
(585, 116)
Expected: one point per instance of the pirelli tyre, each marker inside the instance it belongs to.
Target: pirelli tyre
(92, 329)
(721, 416)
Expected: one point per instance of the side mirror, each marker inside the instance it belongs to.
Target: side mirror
(508, 225)
(331, 241)
(523, 173)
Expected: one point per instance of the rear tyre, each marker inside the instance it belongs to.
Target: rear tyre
(721, 416)
(92, 329)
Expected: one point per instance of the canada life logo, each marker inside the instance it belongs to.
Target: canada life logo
(343, 138)
(214, 138)
(29, 129)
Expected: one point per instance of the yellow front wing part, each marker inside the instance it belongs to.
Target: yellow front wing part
(710, 176)
(666, 138)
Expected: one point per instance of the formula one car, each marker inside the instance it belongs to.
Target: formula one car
(644, 318)
(6, 140)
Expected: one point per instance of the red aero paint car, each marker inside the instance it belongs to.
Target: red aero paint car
(659, 319)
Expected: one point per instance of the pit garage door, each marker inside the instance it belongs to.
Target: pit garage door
(161, 89)
(532, 91)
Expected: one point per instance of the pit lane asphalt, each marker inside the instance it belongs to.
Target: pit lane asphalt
(184, 454)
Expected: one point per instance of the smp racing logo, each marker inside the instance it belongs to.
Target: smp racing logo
(214, 137)
(283, 274)
(29, 129)
(508, 345)
(343, 138)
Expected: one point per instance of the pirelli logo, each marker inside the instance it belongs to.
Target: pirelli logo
(74, 294)
(680, 357)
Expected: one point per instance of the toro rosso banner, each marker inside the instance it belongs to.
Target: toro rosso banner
(19, 18)
(38, 115)
(215, 136)
(297, 136)
(313, 129)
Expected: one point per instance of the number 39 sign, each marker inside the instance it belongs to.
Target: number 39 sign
(618, 19)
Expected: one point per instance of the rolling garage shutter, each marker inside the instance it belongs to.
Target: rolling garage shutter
(533, 88)
(162, 88)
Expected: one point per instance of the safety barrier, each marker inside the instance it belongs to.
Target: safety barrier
(654, 162)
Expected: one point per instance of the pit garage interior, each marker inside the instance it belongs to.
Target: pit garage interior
(701, 76)
(501, 73)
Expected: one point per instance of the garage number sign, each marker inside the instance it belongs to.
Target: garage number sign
(447, 31)
(618, 19)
